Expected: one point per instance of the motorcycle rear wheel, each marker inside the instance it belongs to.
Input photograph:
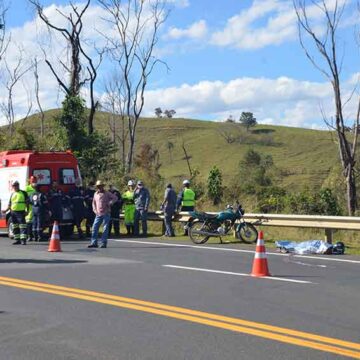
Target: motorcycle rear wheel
(198, 238)
(247, 233)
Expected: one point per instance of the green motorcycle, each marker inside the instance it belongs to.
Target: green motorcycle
(201, 226)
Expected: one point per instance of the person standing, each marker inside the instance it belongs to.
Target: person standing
(115, 211)
(18, 206)
(90, 215)
(186, 200)
(129, 208)
(101, 206)
(169, 208)
(142, 200)
(40, 205)
(77, 197)
(55, 202)
(30, 189)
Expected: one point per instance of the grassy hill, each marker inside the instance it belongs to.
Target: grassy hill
(304, 157)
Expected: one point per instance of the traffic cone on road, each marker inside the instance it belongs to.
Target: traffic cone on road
(260, 264)
(54, 244)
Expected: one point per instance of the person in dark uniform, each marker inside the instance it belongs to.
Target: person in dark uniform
(115, 211)
(40, 206)
(55, 196)
(77, 197)
(89, 213)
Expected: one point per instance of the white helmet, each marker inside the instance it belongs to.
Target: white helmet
(131, 183)
(186, 182)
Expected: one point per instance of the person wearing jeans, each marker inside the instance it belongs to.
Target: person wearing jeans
(101, 204)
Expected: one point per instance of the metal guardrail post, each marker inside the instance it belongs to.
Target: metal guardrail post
(329, 235)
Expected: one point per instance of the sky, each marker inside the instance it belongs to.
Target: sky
(224, 57)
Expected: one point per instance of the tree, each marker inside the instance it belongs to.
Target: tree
(12, 77)
(247, 119)
(169, 113)
(170, 147)
(79, 58)
(37, 96)
(214, 185)
(327, 60)
(158, 112)
(136, 24)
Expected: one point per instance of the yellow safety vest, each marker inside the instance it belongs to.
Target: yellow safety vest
(128, 197)
(188, 198)
(18, 201)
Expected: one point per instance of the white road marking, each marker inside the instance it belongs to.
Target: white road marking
(236, 274)
(205, 247)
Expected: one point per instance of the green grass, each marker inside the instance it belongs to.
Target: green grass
(303, 157)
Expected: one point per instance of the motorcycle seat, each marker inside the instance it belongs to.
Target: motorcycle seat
(204, 215)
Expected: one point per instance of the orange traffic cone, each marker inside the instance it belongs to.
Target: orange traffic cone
(54, 244)
(260, 265)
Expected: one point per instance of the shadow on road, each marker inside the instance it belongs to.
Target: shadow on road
(37, 261)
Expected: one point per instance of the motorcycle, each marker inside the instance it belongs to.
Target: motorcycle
(201, 226)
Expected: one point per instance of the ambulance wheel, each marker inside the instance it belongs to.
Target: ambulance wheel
(10, 229)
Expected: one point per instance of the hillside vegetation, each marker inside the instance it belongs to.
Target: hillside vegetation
(303, 157)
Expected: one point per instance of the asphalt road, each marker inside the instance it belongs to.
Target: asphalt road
(132, 283)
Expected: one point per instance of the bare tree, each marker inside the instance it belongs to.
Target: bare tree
(4, 40)
(115, 103)
(187, 157)
(37, 95)
(12, 77)
(82, 70)
(136, 23)
(327, 60)
(170, 147)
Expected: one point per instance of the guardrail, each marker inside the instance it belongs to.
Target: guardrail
(328, 223)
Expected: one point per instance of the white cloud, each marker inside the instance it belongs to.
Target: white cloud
(280, 101)
(268, 22)
(197, 30)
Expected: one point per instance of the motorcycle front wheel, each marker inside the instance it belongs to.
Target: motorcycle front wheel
(198, 238)
(247, 233)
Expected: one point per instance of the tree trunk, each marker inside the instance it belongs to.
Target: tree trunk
(91, 120)
(351, 191)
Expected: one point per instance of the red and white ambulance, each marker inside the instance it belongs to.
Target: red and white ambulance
(46, 166)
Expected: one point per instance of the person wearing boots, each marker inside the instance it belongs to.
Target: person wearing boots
(186, 200)
(77, 197)
(115, 211)
(169, 208)
(129, 208)
(142, 200)
(18, 206)
(90, 215)
(40, 206)
(30, 189)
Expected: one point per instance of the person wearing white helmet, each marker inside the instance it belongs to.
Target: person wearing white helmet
(129, 207)
(186, 200)
(142, 201)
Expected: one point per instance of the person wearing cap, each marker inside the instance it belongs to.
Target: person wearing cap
(129, 207)
(169, 208)
(77, 197)
(90, 215)
(101, 205)
(18, 206)
(115, 211)
(186, 200)
(142, 200)
(30, 189)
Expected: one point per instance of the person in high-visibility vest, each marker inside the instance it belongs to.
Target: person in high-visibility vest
(129, 207)
(186, 200)
(18, 206)
(30, 190)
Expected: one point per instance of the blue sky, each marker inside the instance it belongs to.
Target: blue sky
(231, 56)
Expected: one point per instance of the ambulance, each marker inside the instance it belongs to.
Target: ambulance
(20, 165)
